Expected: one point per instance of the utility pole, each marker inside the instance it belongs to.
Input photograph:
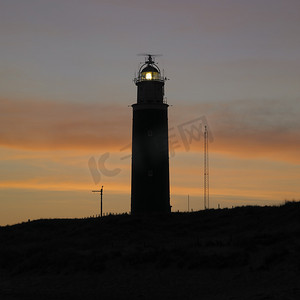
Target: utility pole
(188, 203)
(101, 196)
(206, 170)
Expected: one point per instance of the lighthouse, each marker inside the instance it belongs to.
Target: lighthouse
(150, 184)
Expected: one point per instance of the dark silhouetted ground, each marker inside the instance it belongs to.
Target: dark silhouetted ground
(240, 253)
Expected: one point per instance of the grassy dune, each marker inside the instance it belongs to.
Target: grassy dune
(240, 253)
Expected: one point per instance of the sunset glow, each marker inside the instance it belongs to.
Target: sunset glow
(66, 91)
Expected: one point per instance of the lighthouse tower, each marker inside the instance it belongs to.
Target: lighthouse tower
(150, 187)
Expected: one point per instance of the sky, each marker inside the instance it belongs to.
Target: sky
(66, 90)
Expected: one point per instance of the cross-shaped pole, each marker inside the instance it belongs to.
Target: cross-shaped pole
(101, 194)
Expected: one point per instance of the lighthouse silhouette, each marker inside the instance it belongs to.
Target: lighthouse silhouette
(150, 186)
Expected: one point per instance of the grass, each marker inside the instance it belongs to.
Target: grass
(249, 241)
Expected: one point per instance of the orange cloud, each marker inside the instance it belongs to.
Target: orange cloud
(44, 125)
(55, 185)
(269, 129)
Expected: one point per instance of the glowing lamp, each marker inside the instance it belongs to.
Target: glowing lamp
(149, 73)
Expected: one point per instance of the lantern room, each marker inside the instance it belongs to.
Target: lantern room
(149, 71)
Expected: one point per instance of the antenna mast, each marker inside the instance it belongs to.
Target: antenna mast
(206, 170)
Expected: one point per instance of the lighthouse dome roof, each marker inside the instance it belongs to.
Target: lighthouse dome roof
(150, 68)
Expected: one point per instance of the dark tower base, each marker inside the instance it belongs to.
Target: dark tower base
(150, 159)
